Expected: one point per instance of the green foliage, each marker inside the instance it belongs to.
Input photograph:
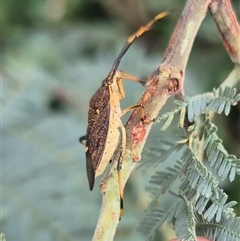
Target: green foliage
(227, 165)
(201, 206)
(226, 229)
(159, 154)
(218, 101)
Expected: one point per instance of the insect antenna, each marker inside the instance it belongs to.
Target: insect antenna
(130, 41)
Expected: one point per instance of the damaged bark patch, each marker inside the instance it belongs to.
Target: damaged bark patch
(138, 132)
(173, 86)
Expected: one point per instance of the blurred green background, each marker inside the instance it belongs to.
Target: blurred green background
(54, 55)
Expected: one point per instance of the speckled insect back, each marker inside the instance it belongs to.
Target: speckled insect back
(104, 118)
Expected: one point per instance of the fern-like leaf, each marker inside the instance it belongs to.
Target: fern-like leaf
(228, 229)
(152, 219)
(200, 182)
(224, 164)
(220, 102)
(185, 221)
(166, 178)
(197, 106)
(160, 154)
(167, 122)
(223, 100)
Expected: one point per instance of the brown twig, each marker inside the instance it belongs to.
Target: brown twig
(228, 27)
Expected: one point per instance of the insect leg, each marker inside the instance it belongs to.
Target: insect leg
(122, 150)
(119, 167)
(122, 75)
(143, 116)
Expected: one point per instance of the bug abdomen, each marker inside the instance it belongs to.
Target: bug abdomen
(110, 147)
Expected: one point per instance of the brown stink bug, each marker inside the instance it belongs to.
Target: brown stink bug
(104, 117)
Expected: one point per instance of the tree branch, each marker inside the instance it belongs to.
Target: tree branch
(228, 26)
(233, 78)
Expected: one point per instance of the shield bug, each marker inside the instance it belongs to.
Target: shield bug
(104, 117)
